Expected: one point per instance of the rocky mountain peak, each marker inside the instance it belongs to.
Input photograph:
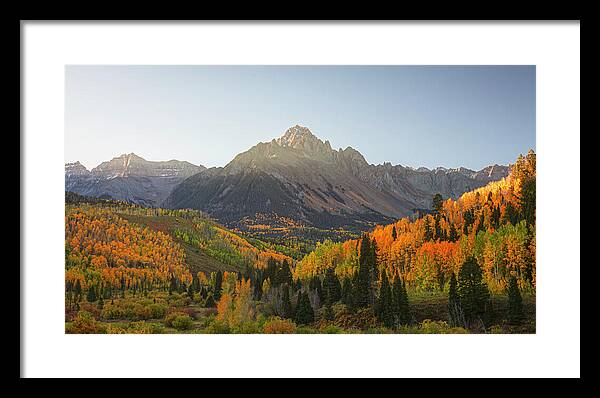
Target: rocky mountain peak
(76, 169)
(301, 138)
(130, 164)
(296, 136)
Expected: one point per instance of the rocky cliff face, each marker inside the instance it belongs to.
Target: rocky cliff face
(301, 177)
(129, 178)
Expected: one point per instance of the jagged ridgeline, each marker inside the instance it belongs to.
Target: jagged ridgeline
(302, 178)
(495, 224)
(291, 183)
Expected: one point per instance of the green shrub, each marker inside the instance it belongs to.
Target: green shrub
(84, 323)
(171, 317)
(126, 309)
(276, 325)
(217, 327)
(332, 329)
(157, 311)
(247, 327)
(432, 327)
(182, 322)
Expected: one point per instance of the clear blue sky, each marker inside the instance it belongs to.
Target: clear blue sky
(428, 116)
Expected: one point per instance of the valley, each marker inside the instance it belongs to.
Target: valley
(262, 261)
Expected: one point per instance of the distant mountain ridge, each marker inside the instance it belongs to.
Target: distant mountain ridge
(301, 177)
(129, 178)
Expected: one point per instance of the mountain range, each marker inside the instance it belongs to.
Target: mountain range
(129, 178)
(297, 177)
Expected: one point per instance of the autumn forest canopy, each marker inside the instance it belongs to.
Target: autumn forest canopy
(466, 266)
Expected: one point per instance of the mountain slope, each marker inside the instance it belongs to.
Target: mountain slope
(129, 178)
(301, 177)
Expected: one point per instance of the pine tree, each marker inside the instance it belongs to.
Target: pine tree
(332, 287)
(363, 279)
(91, 294)
(385, 305)
(374, 275)
(195, 283)
(403, 306)
(77, 291)
(394, 234)
(172, 285)
(258, 289)
(329, 312)
(287, 303)
(304, 312)
(396, 298)
(428, 232)
(123, 286)
(347, 293)
(515, 302)
(454, 309)
(190, 291)
(285, 274)
(437, 203)
(100, 303)
(472, 290)
(437, 227)
(210, 302)
(453, 235)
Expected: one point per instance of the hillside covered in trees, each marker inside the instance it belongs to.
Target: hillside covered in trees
(468, 266)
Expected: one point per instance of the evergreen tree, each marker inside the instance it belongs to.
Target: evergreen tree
(172, 285)
(396, 297)
(123, 286)
(210, 302)
(287, 303)
(495, 216)
(218, 286)
(515, 302)
(332, 287)
(329, 312)
(190, 291)
(195, 284)
(258, 289)
(437, 203)
(304, 312)
(437, 227)
(481, 223)
(91, 294)
(374, 276)
(285, 275)
(347, 293)
(453, 235)
(385, 307)
(363, 278)
(454, 309)
(394, 233)
(472, 290)
(100, 303)
(403, 306)
(77, 291)
(428, 232)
